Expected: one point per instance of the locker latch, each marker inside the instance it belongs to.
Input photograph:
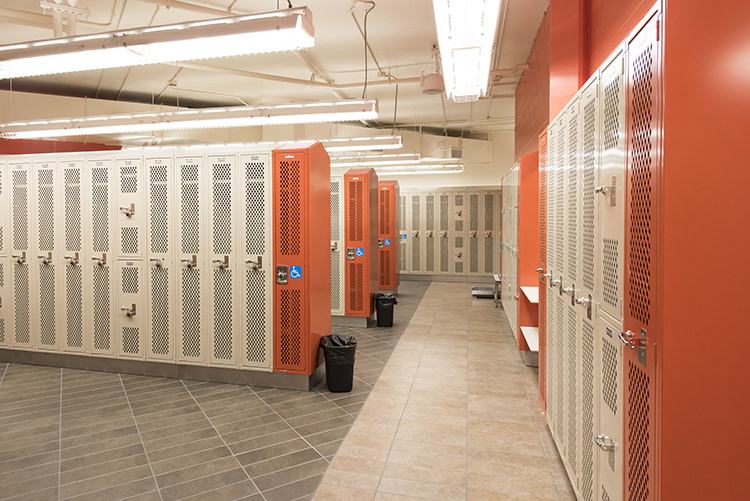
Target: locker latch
(223, 263)
(473, 234)
(459, 255)
(459, 213)
(570, 291)
(190, 262)
(488, 234)
(555, 282)
(73, 260)
(100, 261)
(443, 234)
(415, 234)
(351, 253)
(381, 243)
(632, 341)
(610, 190)
(130, 312)
(334, 246)
(128, 211)
(257, 265)
(430, 233)
(46, 260)
(20, 258)
(586, 303)
(606, 444)
(282, 274)
(157, 261)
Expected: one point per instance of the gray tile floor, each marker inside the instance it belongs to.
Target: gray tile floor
(70, 434)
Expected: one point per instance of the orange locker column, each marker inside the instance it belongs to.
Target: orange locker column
(302, 265)
(388, 235)
(361, 241)
(541, 269)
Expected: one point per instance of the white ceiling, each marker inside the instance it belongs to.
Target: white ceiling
(401, 34)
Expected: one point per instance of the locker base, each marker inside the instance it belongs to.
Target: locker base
(530, 358)
(361, 322)
(161, 369)
(469, 279)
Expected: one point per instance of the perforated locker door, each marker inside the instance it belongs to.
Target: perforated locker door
(5, 228)
(99, 238)
(130, 227)
(403, 255)
(256, 277)
(161, 267)
(610, 184)
(542, 281)
(609, 428)
(490, 233)
(642, 225)
(5, 262)
(337, 246)
(444, 233)
(131, 313)
(551, 178)
(72, 263)
(473, 236)
(223, 263)
(190, 221)
(429, 213)
(588, 161)
(416, 261)
(23, 221)
(6, 317)
(458, 233)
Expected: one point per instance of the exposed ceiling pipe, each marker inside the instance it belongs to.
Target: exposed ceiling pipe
(499, 39)
(381, 73)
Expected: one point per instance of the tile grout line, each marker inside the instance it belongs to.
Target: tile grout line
(7, 364)
(222, 439)
(59, 440)
(140, 437)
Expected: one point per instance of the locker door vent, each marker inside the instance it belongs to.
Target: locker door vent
(605, 495)
(160, 311)
(2, 276)
(385, 267)
(335, 280)
(130, 340)
(47, 305)
(573, 198)
(46, 211)
(560, 200)
(290, 348)
(559, 365)
(444, 250)
(640, 187)
(1, 183)
(129, 179)
(355, 212)
(102, 339)
(611, 113)
(223, 332)
(130, 280)
(72, 210)
(290, 208)
(416, 264)
(459, 225)
(610, 377)
(589, 175)
(256, 316)
(74, 307)
(444, 209)
(335, 200)
(587, 411)
(402, 212)
(573, 423)
(2, 330)
(255, 213)
(473, 212)
(129, 239)
(356, 275)
(610, 276)
(222, 208)
(191, 312)
(638, 433)
(159, 209)
(402, 255)
(21, 289)
(100, 209)
(385, 212)
(20, 210)
(489, 221)
(2, 240)
(190, 212)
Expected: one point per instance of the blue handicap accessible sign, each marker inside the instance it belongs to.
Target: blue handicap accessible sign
(387, 241)
(403, 236)
(295, 272)
(360, 251)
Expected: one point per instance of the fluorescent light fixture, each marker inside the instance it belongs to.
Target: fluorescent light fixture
(399, 170)
(373, 160)
(280, 30)
(362, 143)
(202, 118)
(466, 33)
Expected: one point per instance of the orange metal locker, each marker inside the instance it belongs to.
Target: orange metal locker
(361, 241)
(301, 229)
(388, 235)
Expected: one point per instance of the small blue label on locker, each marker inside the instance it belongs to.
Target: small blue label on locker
(360, 251)
(295, 272)
(403, 236)
(387, 241)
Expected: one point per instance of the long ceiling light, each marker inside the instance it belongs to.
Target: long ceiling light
(398, 170)
(281, 30)
(373, 160)
(233, 116)
(466, 33)
(375, 143)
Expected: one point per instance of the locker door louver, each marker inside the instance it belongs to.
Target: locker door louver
(291, 328)
(290, 217)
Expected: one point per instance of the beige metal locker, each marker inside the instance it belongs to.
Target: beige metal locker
(337, 246)
(5, 266)
(474, 204)
(256, 294)
(160, 277)
(444, 234)
(21, 251)
(415, 236)
(131, 313)
(5, 191)
(429, 213)
(490, 233)
(72, 243)
(458, 232)
(403, 238)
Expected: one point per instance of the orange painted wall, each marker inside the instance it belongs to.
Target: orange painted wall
(528, 241)
(26, 146)
(705, 333)
(610, 21)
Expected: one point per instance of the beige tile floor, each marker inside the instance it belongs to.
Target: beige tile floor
(454, 415)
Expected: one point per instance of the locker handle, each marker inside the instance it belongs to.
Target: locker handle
(156, 260)
(415, 233)
(555, 282)
(223, 263)
(629, 340)
(334, 246)
(444, 234)
(473, 234)
(46, 260)
(128, 211)
(488, 234)
(130, 312)
(585, 301)
(569, 290)
(191, 262)
(100, 261)
(74, 259)
(430, 233)
(20, 258)
(257, 265)
(459, 213)
(546, 275)
(539, 270)
(605, 443)
(604, 189)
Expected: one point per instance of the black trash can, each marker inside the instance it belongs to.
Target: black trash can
(384, 305)
(339, 355)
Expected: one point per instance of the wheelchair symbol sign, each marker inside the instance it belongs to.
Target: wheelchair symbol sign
(387, 241)
(360, 251)
(295, 272)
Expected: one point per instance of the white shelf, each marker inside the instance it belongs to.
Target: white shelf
(531, 335)
(532, 293)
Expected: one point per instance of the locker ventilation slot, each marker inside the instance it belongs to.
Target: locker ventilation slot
(2, 241)
(640, 188)
(190, 209)
(46, 215)
(130, 280)
(72, 210)
(559, 200)
(589, 174)
(159, 210)
(255, 203)
(638, 433)
(459, 225)
(385, 267)
(355, 273)
(605, 495)
(20, 210)
(223, 332)
(385, 212)
(559, 365)
(191, 313)
(130, 340)
(587, 411)
(335, 281)
(335, 230)
(160, 311)
(290, 348)
(543, 261)
(415, 226)
(572, 231)
(610, 276)
(290, 208)
(572, 391)
(2, 331)
(129, 179)
(402, 255)
(611, 113)
(489, 218)
(256, 316)
(100, 209)
(74, 307)
(47, 305)
(222, 208)
(129, 239)
(402, 212)
(2, 276)
(610, 377)
(101, 312)
(356, 221)
(444, 250)
(21, 289)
